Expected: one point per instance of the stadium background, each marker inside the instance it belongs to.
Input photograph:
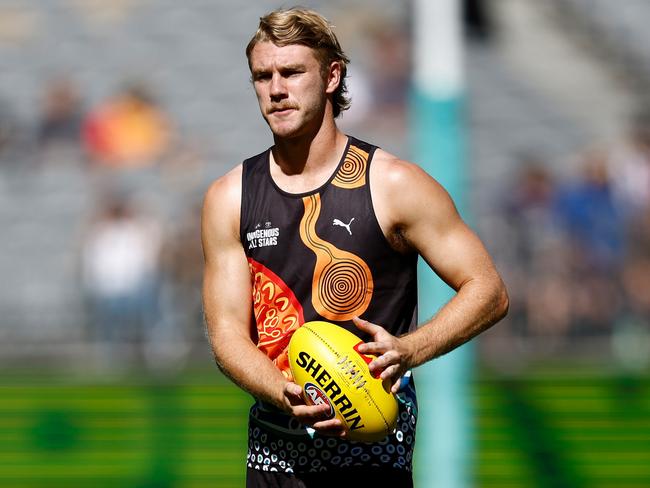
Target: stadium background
(559, 185)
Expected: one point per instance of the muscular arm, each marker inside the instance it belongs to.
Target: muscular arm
(227, 295)
(227, 301)
(417, 213)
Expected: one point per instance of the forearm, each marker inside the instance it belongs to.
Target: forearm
(240, 359)
(476, 307)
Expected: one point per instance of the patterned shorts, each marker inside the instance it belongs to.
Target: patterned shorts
(278, 443)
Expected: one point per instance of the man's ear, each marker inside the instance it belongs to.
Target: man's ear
(333, 79)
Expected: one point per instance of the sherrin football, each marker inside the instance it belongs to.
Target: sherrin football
(324, 361)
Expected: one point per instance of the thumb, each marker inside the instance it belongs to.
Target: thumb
(292, 390)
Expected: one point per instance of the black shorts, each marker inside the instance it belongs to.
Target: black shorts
(340, 478)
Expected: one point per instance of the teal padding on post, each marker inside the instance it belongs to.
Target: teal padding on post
(438, 142)
(444, 439)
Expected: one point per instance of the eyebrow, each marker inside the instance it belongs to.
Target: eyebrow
(293, 67)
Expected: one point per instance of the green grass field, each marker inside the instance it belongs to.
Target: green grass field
(563, 430)
(553, 429)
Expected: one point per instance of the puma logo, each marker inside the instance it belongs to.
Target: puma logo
(341, 224)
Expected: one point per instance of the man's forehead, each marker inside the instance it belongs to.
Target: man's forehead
(267, 53)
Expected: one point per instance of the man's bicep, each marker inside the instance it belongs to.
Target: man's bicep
(444, 240)
(456, 255)
(226, 281)
(227, 292)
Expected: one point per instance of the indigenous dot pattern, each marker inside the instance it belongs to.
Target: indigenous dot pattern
(279, 443)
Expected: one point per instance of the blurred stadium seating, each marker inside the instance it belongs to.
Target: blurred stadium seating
(561, 402)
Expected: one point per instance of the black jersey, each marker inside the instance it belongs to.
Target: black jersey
(322, 255)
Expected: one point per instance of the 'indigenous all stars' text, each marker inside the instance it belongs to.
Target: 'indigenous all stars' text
(263, 237)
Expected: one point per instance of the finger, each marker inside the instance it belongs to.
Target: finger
(332, 427)
(308, 414)
(390, 373)
(366, 326)
(382, 362)
(293, 393)
(375, 348)
(396, 386)
(293, 389)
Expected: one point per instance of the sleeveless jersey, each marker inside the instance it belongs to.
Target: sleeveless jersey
(322, 255)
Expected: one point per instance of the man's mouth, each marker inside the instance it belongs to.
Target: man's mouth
(281, 110)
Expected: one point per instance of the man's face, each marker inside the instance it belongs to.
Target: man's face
(290, 87)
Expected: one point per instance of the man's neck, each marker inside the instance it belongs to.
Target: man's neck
(310, 153)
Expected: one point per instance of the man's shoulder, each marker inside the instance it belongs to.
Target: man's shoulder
(221, 208)
(229, 186)
(402, 190)
(226, 181)
(225, 191)
(395, 172)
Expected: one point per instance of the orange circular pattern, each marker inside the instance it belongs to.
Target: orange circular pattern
(352, 173)
(343, 287)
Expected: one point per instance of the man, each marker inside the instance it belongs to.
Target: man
(323, 226)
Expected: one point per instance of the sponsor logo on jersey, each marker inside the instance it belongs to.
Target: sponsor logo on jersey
(263, 236)
(340, 223)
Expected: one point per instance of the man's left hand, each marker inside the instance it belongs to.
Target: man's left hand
(394, 356)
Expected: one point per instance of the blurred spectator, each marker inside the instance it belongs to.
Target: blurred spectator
(182, 270)
(61, 115)
(390, 68)
(632, 335)
(121, 279)
(9, 133)
(595, 227)
(129, 130)
(529, 207)
(477, 20)
(630, 167)
(636, 285)
(639, 234)
(183, 266)
(588, 212)
(535, 266)
(567, 245)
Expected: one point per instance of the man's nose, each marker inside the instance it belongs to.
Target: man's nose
(278, 89)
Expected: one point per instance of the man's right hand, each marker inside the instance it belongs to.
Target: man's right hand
(315, 416)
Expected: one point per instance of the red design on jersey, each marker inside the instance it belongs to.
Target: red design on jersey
(277, 314)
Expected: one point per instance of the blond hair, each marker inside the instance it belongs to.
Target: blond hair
(306, 27)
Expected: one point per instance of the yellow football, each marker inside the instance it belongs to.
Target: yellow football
(324, 360)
